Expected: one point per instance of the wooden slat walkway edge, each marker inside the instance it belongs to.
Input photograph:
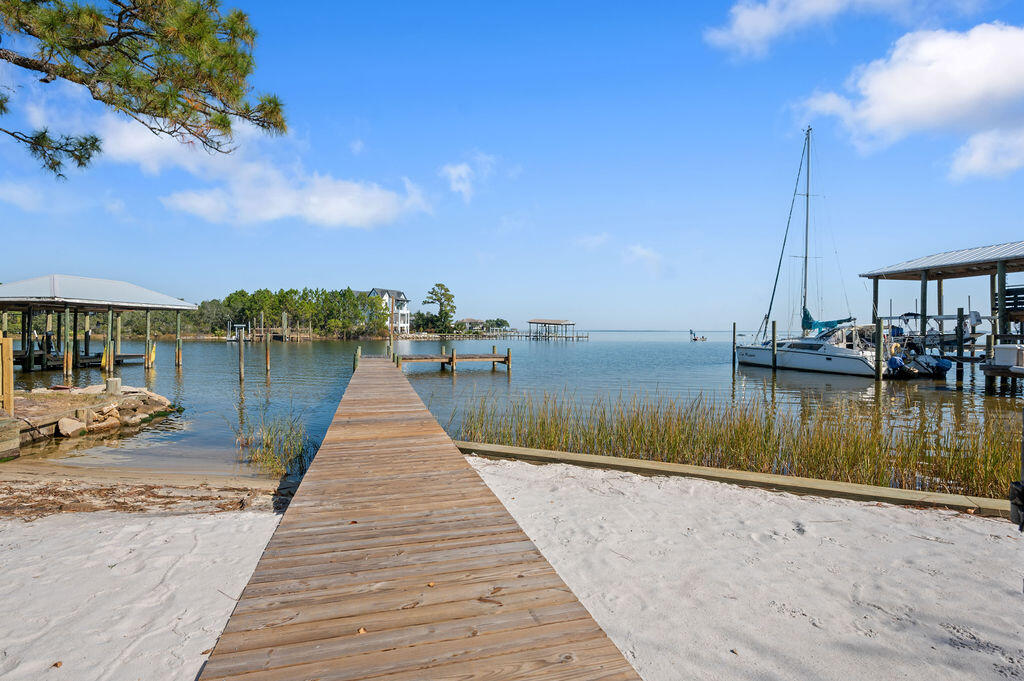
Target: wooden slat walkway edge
(395, 562)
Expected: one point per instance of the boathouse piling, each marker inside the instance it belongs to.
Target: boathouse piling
(240, 335)
(775, 347)
(734, 345)
(109, 344)
(177, 339)
(7, 375)
(960, 347)
(117, 338)
(494, 351)
(879, 340)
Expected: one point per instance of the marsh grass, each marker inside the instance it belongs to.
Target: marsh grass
(848, 441)
(276, 444)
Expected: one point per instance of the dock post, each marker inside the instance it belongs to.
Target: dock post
(66, 341)
(734, 345)
(74, 340)
(960, 346)
(30, 356)
(494, 351)
(355, 357)
(284, 326)
(49, 321)
(147, 361)
(108, 345)
(924, 311)
(878, 347)
(398, 361)
(117, 340)
(7, 375)
(3, 325)
(453, 360)
(508, 360)
(241, 356)
(775, 347)
(939, 313)
(266, 344)
(88, 331)
(1002, 326)
(177, 339)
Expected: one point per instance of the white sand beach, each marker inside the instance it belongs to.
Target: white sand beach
(702, 580)
(121, 596)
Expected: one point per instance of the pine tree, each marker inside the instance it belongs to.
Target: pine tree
(179, 67)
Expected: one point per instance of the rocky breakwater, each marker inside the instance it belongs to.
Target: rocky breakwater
(72, 412)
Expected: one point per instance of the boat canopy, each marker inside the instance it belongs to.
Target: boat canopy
(809, 323)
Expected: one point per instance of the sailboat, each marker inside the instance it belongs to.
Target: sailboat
(837, 346)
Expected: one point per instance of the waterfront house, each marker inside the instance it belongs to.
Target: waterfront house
(399, 320)
(474, 324)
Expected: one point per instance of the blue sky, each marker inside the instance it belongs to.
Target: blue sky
(627, 165)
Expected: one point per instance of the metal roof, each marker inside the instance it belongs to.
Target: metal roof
(58, 290)
(394, 293)
(966, 262)
(550, 321)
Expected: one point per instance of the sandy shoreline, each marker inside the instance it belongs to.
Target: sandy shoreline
(695, 579)
(114, 596)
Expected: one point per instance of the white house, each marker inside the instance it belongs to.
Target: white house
(399, 321)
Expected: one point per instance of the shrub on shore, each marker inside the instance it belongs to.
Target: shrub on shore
(848, 441)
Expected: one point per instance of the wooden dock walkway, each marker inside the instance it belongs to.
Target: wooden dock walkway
(395, 562)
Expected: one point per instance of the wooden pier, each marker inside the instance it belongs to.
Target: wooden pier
(452, 361)
(396, 562)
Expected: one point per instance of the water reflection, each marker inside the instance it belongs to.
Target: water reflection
(309, 379)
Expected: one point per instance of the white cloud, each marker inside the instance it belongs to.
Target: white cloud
(460, 179)
(994, 152)
(463, 177)
(968, 82)
(645, 256)
(249, 189)
(592, 241)
(755, 24)
(23, 195)
(356, 147)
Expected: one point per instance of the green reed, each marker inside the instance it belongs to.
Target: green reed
(846, 441)
(276, 444)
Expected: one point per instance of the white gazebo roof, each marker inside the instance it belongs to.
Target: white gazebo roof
(58, 290)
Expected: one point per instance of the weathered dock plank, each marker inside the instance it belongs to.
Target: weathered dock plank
(396, 562)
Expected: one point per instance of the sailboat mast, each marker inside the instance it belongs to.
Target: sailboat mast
(807, 227)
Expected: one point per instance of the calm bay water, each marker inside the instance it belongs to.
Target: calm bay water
(308, 379)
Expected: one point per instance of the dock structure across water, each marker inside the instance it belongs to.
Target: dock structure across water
(395, 562)
(452, 360)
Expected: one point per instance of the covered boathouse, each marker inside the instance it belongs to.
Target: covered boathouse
(73, 300)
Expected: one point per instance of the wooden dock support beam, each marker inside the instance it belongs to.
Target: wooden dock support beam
(241, 354)
(355, 357)
(117, 338)
(508, 360)
(960, 347)
(74, 340)
(30, 356)
(108, 345)
(1003, 325)
(939, 312)
(177, 339)
(266, 343)
(453, 360)
(66, 342)
(734, 345)
(7, 375)
(88, 332)
(775, 347)
(494, 351)
(879, 340)
(924, 310)
(147, 361)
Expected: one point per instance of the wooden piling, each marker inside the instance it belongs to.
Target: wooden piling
(266, 343)
(3, 325)
(508, 359)
(74, 339)
(88, 332)
(30, 356)
(7, 375)
(960, 346)
(494, 351)
(147, 363)
(177, 339)
(117, 339)
(284, 326)
(775, 347)
(108, 345)
(453, 360)
(241, 354)
(734, 345)
(66, 341)
(924, 311)
(1003, 325)
(939, 312)
(878, 347)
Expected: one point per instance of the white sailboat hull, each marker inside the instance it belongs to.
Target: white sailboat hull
(830, 360)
